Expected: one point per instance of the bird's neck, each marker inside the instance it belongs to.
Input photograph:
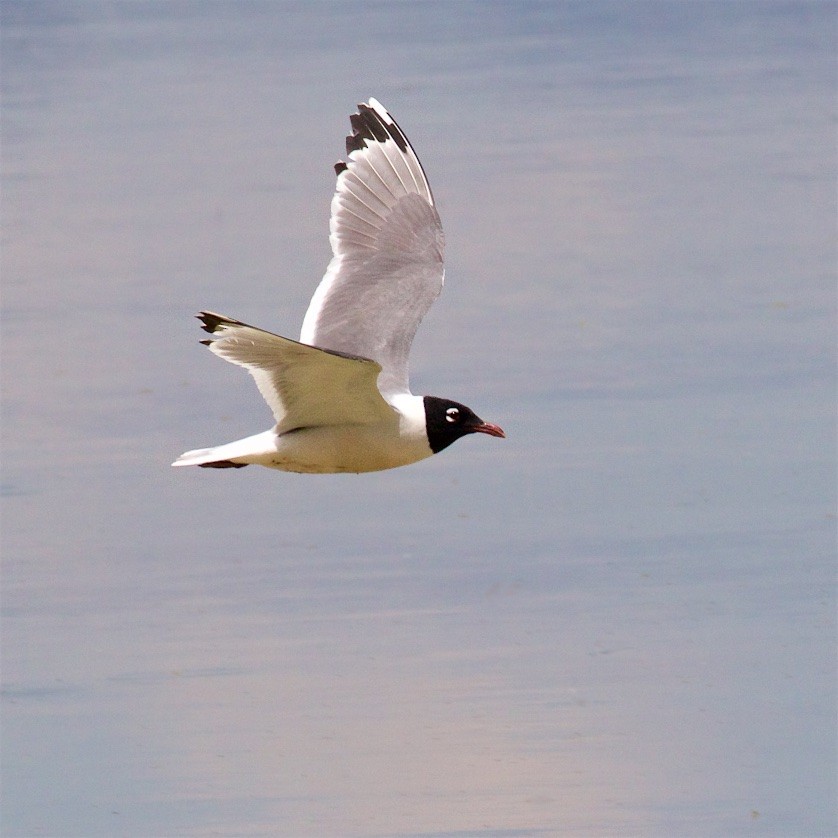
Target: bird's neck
(411, 410)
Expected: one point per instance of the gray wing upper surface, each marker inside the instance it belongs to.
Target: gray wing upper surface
(388, 244)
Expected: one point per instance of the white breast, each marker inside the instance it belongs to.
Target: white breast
(354, 448)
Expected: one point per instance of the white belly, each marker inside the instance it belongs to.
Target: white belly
(398, 441)
(345, 448)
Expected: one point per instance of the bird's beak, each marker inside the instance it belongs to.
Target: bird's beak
(489, 428)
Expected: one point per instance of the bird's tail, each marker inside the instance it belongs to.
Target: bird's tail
(207, 458)
(260, 449)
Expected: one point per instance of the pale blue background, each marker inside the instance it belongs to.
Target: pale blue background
(618, 621)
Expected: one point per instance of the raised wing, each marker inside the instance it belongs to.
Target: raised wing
(388, 247)
(304, 386)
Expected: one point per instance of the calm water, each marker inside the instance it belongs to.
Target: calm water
(619, 621)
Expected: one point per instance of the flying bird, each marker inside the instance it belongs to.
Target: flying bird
(340, 395)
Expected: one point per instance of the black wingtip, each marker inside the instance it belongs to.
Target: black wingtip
(209, 321)
(340, 167)
(212, 322)
(222, 464)
(369, 126)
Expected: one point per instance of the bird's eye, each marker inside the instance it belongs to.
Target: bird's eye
(452, 414)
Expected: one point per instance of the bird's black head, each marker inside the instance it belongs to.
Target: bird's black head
(447, 421)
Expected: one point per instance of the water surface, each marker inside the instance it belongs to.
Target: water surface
(619, 621)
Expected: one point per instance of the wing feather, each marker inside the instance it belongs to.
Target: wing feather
(387, 241)
(304, 386)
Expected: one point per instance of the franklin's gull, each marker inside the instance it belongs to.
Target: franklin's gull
(340, 395)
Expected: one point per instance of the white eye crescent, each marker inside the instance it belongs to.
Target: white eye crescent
(452, 414)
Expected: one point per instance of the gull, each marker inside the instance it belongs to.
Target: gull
(340, 395)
